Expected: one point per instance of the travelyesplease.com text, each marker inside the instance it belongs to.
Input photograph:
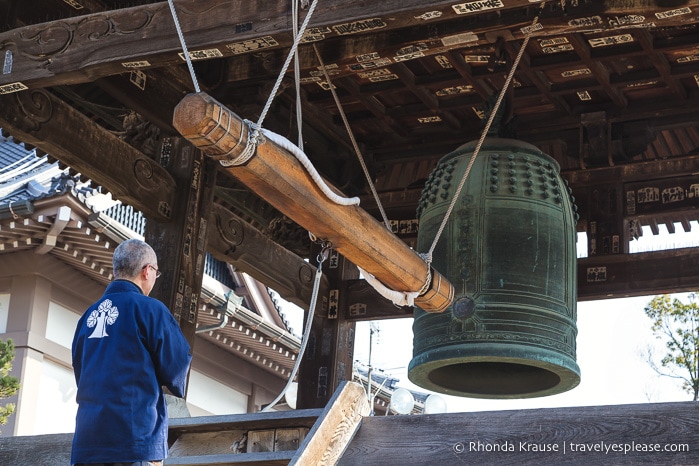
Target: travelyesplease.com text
(568, 447)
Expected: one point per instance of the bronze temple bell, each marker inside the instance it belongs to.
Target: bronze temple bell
(509, 250)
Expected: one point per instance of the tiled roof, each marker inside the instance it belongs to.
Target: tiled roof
(24, 177)
(11, 154)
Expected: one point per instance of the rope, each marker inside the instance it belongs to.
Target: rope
(307, 330)
(303, 159)
(184, 46)
(351, 136)
(399, 298)
(428, 255)
(294, 47)
(289, 146)
(297, 73)
(256, 131)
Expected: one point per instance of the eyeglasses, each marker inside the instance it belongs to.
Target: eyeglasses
(157, 272)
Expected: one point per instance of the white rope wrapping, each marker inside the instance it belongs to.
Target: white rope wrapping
(250, 146)
(303, 159)
(290, 147)
(399, 298)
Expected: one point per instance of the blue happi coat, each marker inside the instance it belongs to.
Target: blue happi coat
(126, 347)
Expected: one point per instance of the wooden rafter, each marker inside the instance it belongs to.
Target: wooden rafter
(41, 119)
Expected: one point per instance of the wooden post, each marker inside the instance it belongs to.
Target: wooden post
(181, 244)
(335, 428)
(329, 353)
(278, 177)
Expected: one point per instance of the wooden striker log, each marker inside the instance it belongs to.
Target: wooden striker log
(278, 177)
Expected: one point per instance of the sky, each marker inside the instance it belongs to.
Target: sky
(613, 334)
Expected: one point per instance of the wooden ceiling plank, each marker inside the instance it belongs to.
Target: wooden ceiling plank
(674, 144)
(598, 70)
(537, 78)
(371, 103)
(408, 79)
(660, 63)
(685, 140)
(41, 119)
(88, 47)
(663, 143)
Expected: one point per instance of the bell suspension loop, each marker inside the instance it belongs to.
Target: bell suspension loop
(428, 255)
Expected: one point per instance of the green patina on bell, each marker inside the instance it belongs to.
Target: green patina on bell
(509, 250)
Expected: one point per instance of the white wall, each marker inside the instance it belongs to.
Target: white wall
(206, 396)
(56, 406)
(60, 324)
(4, 306)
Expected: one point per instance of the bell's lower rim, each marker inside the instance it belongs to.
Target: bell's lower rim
(494, 374)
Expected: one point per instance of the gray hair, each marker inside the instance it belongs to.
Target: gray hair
(131, 256)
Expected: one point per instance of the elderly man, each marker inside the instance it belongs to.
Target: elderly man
(127, 346)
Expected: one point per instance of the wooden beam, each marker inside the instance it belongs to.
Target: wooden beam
(233, 240)
(600, 277)
(85, 48)
(634, 172)
(39, 118)
(658, 433)
(276, 175)
(626, 173)
(662, 433)
(646, 273)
